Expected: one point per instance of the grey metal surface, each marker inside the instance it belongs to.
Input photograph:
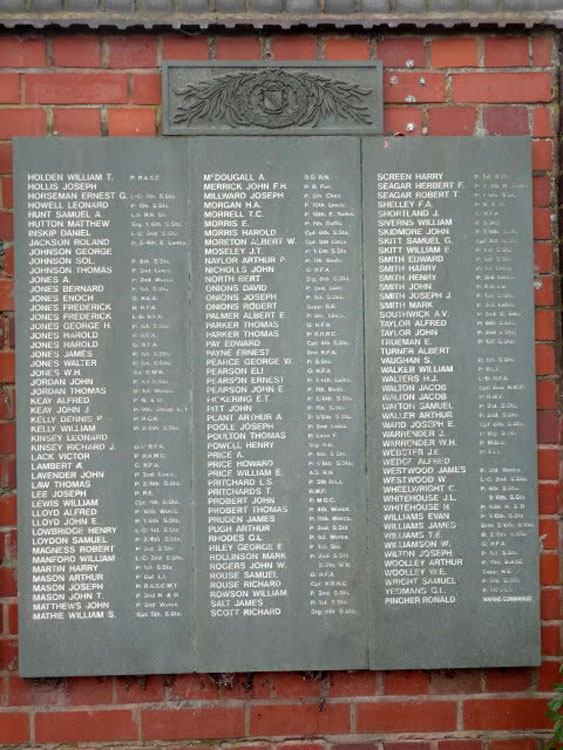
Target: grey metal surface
(127, 398)
(292, 13)
(272, 98)
(451, 402)
(234, 280)
(293, 413)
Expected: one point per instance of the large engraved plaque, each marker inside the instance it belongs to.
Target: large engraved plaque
(275, 403)
(272, 99)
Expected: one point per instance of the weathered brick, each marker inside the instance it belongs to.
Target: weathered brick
(70, 51)
(454, 52)
(403, 716)
(510, 680)
(506, 121)
(33, 692)
(549, 533)
(22, 52)
(149, 689)
(501, 87)
(131, 122)
(349, 684)
(75, 88)
(401, 52)
(505, 714)
(550, 642)
(7, 192)
(193, 723)
(544, 292)
(79, 121)
(132, 51)
(301, 47)
(347, 48)
(452, 120)
(506, 51)
(414, 87)
(404, 682)
(14, 727)
(238, 48)
(542, 50)
(87, 691)
(299, 719)
(85, 726)
(7, 437)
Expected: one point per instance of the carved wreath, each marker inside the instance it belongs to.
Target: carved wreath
(273, 98)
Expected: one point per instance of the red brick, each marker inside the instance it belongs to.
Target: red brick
(299, 719)
(542, 155)
(84, 726)
(14, 727)
(542, 223)
(129, 121)
(293, 685)
(405, 683)
(506, 121)
(300, 47)
(551, 640)
(7, 367)
(406, 746)
(16, 122)
(541, 191)
(401, 52)
(33, 692)
(9, 88)
(505, 714)
(513, 744)
(548, 463)
(347, 48)
(542, 122)
(544, 292)
(299, 745)
(548, 675)
(508, 680)
(451, 120)
(501, 87)
(459, 745)
(349, 684)
(77, 122)
(193, 687)
(72, 51)
(8, 511)
(6, 164)
(148, 689)
(542, 50)
(147, 88)
(548, 424)
(9, 261)
(8, 653)
(185, 48)
(87, 691)
(7, 192)
(132, 51)
(6, 295)
(8, 472)
(545, 365)
(192, 723)
(238, 48)
(8, 581)
(546, 394)
(12, 617)
(6, 225)
(7, 437)
(22, 52)
(399, 87)
(454, 52)
(506, 52)
(549, 533)
(549, 569)
(545, 326)
(550, 604)
(455, 681)
(415, 716)
(396, 120)
(76, 88)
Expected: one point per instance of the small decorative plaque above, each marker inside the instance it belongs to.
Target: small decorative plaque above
(272, 98)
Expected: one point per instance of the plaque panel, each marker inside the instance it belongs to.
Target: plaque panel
(265, 526)
(279, 464)
(451, 406)
(103, 372)
(256, 98)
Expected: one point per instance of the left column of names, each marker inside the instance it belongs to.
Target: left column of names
(103, 358)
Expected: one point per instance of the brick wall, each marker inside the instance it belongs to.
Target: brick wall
(93, 85)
